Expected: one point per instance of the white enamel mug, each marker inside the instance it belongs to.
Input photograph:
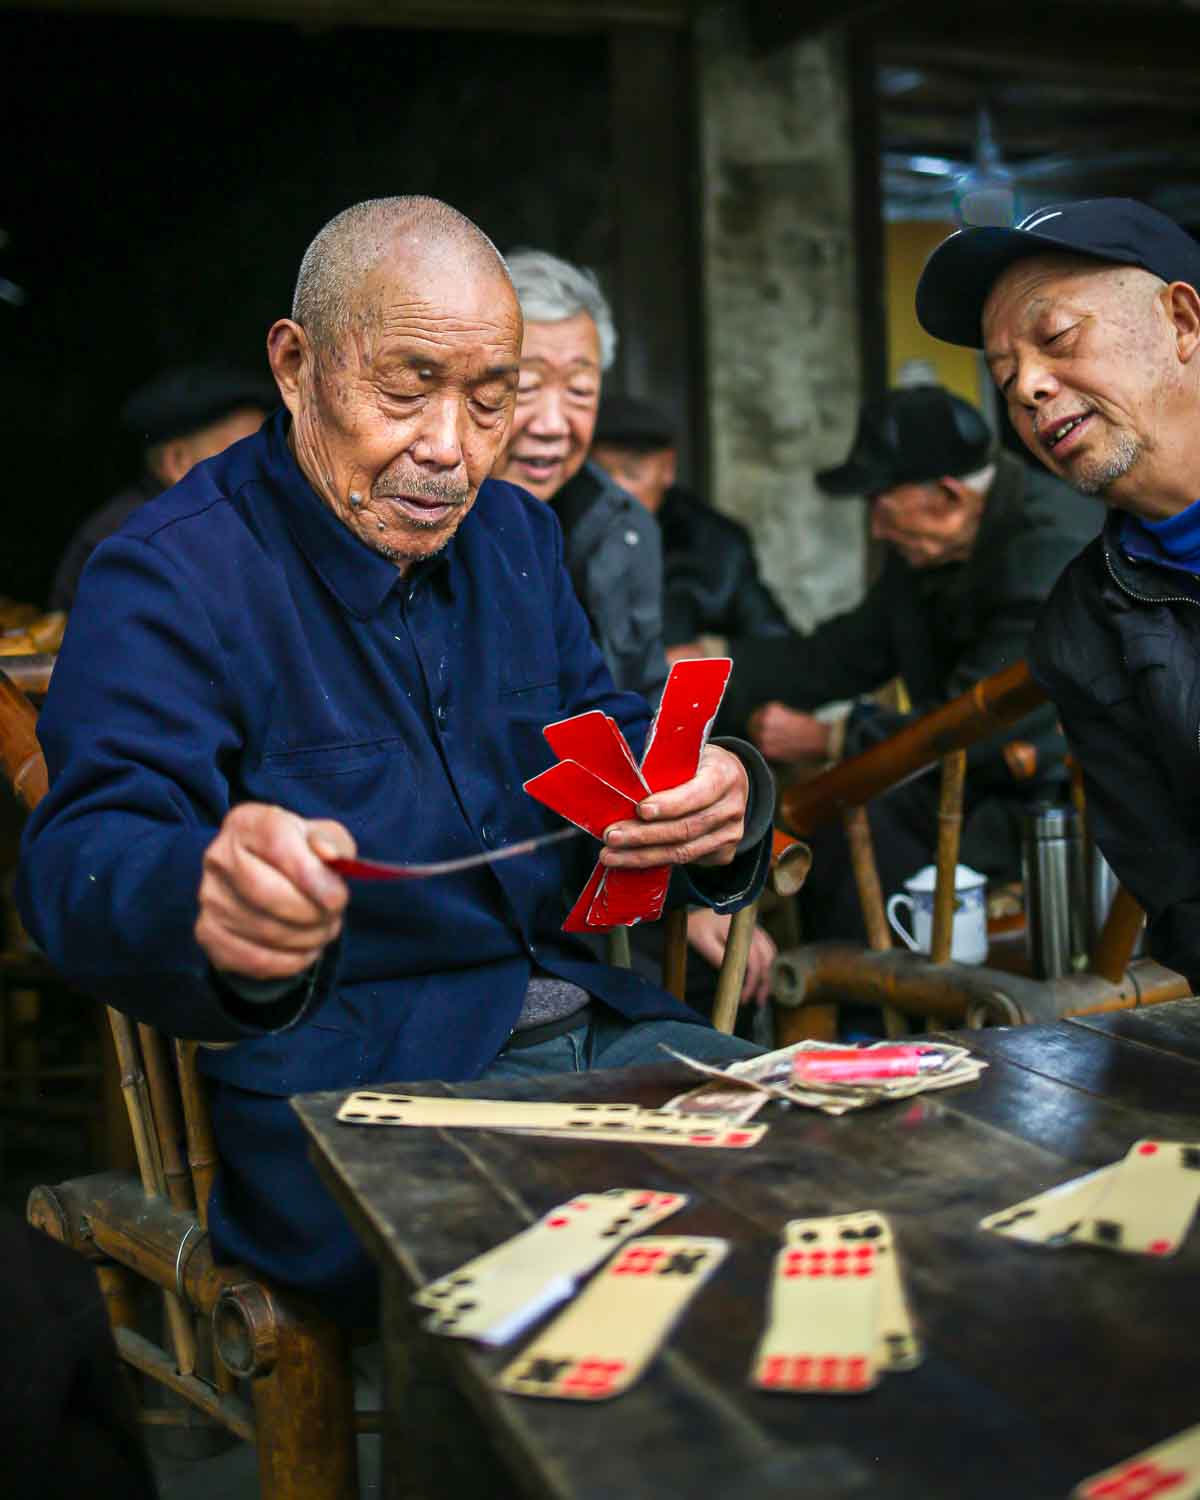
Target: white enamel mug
(969, 943)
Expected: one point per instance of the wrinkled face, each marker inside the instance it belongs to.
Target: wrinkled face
(556, 405)
(647, 476)
(1080, 354)
(928, 524)
(398, 425)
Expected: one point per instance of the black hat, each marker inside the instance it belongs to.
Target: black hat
(626, 420)
(910, 436)
(961, 272)
(181, 401)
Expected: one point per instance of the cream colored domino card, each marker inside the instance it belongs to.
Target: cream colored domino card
(1148, 1203)
(1170, 1470)
(823, 1300)
(1053, 1217)
(680, 1132)
(897, 1346)
(368, 1107)
(496, 1295)
(603, 1342)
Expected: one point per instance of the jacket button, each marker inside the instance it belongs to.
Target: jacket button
(487, 834)
(442, 715)
(632, 539)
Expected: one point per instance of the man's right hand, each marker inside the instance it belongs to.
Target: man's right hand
(269, 906)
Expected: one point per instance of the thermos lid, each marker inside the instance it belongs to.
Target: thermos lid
(1050, 820)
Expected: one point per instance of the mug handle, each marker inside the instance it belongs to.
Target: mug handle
(901, 898)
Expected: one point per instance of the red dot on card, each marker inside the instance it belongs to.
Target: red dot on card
(864, 1270)
(816, 1271)
(737, 1138)
(865, 1252)
(1149, 1149)
(839, 1270)
(1160, 1247)
(556, 1223)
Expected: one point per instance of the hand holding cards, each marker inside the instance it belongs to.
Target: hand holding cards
(598, 783)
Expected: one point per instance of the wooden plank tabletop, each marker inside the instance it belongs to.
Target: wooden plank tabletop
(1041, 1366)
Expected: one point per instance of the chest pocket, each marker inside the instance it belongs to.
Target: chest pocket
(529, 670)
(354, 781)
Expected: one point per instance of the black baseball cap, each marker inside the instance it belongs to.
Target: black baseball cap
(911, 436)
(626, 420)
(961, 272)
(182, 400)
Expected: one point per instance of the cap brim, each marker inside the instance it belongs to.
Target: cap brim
(962, 271)
(854, 477)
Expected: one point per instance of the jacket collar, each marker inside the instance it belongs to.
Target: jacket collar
(359, 578)
(1144, 579)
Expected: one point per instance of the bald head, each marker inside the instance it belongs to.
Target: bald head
(338, 265)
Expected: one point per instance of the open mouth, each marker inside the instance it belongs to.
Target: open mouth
(537, 466)
(1062, 436)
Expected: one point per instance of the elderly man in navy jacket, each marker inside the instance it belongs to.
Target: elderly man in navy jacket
(337, 635)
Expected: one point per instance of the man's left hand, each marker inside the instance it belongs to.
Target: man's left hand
(700, 822)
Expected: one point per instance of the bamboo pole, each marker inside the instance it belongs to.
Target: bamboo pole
(870, 899)
(201, 1146)
(992, 704)
(1118, 937)
(733, 968)
(674, 975)
(950, 802)
(150, 1167)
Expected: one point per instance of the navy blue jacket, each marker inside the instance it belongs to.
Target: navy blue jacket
(235, 642)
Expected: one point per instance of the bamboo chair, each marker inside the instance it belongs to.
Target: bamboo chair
(228, 1328)
(812, 980)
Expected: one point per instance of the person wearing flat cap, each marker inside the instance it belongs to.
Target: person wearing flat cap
(712, 590)
(974, 540)
(179, 418)
(1089, 317)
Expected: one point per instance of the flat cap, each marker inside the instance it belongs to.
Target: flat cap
(911, 436)
(180, 401)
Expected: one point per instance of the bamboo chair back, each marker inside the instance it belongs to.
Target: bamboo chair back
(942, 738)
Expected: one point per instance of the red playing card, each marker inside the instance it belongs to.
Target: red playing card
(626, 897)
(594, 740)
(581, 798)
(577, 917)
(685, 715)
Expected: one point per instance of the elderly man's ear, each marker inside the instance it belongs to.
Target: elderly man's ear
(1182, 303)
(287, 351)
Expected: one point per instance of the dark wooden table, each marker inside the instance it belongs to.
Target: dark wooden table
(1041, 1366)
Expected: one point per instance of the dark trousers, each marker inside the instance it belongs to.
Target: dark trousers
(67, 1424)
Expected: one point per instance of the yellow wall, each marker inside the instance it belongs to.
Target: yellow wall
(908, 246)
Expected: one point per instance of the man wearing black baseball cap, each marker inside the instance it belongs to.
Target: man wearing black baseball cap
(1089, 315)
(975, 539)
(180, 417)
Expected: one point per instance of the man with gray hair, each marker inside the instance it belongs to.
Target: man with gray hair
(342, 633)
(613, 544)
(613, 549)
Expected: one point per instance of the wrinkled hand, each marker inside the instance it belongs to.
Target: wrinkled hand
(708, 933)
(783, 733)
(268, 905)
(700, 822)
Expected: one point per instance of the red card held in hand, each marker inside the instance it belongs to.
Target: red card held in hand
(597, 783)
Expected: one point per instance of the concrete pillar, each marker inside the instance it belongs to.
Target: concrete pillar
(781, 322)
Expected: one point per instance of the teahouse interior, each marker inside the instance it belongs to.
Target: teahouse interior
(757, 185)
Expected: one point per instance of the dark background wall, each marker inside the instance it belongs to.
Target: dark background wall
(160, 179)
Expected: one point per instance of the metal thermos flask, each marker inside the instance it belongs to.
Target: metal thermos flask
(1056, 890)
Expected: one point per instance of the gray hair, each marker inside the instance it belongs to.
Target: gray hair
(550, 290)
(349, 247)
